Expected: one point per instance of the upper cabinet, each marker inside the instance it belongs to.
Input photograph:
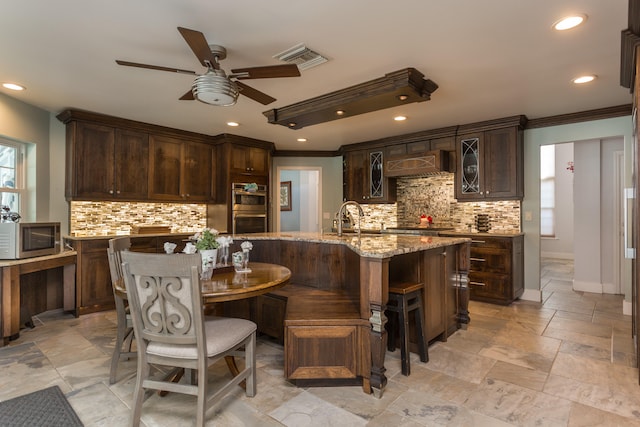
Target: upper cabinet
(180, 170)
(364, 179)
(105, 162)
(249, 161)
(490, 165)
(108, 158)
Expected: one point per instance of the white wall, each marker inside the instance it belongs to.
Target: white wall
(533, 139)
(290, 220)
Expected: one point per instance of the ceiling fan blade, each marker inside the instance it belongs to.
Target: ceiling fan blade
(154, 67)
(187, 96)
(267, 72)
(254, 94)
(198, 44)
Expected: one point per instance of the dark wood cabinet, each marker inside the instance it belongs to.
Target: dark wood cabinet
(496, 273)
(180, 170)
(490, 165)
(105, 162)
(93, 277)
(364, 179)
(131, 163)
(249, 161)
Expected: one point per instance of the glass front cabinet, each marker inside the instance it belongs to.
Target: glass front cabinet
(364, 179)
(490, 165)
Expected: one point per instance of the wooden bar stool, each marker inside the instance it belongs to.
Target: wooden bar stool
(404, 298)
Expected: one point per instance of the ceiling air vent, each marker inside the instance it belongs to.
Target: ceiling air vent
(302, 56)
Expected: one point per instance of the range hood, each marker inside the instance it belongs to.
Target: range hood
(422, 164)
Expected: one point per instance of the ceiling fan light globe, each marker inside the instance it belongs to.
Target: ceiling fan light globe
(215, 88)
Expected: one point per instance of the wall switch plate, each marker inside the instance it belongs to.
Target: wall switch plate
(528, 216)
(326, 215)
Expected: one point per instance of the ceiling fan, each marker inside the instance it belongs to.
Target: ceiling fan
(215, 87)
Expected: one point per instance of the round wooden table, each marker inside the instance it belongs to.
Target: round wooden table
(231, 286)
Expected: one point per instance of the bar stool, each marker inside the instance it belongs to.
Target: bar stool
(404, 298)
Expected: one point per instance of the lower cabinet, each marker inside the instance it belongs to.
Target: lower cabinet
(92, 268)
(496, 274)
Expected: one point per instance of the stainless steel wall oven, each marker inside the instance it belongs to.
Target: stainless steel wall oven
(249, 212)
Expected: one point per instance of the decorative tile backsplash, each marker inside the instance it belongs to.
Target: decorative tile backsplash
(434, 196)
(112, 218)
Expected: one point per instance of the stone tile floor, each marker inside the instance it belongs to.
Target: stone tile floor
(567, 362)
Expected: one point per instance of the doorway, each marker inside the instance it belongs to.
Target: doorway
(300, 204)
(581, 212)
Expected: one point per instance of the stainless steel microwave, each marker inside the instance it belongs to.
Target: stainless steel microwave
(29, 239)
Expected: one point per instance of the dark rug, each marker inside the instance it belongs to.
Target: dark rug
(42, 408)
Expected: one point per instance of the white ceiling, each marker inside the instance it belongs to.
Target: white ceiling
(490, 58)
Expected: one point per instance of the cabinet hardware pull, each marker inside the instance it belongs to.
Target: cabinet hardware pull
(478, 259)
(478, 241)
(477, 284)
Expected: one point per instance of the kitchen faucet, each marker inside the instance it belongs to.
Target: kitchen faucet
(343, 207)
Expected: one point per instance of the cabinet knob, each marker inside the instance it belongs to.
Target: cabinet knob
(487, 192)
(118, 192)
(110, 191)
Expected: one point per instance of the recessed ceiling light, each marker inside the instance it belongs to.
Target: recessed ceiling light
(233, 124)
(569, 22)
(340, 112)
(403, 97)
(13, 86)
(400, 118)
(302, 139)
(584, 79)
(292, 124)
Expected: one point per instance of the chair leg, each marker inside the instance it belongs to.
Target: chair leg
(250, 362)
(404, 338)
(138, 394)
(202, 395)
(121, 332)
(423, 348)
(392, 327)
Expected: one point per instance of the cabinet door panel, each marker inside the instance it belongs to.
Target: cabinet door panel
(165, 170)
(131, 164)
(198, 172)
(500, 175)
(94, 153)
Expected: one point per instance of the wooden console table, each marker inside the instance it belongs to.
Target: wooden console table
(10, 272)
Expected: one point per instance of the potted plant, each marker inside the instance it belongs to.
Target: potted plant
(207, 244)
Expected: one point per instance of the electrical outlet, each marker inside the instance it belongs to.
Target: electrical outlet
(326, 215)
(528, 216)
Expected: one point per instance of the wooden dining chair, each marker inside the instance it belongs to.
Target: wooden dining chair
(165, 299)
(124, 333)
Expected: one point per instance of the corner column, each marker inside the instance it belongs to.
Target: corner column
(374, 295)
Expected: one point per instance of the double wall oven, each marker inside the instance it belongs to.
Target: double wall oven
(249, 208)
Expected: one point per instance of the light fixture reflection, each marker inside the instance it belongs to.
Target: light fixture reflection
(302, 139)
(400, 118)
(233, 124)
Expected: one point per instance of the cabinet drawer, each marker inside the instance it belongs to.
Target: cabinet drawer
(490, 260)
(489, 242)
(489, 285)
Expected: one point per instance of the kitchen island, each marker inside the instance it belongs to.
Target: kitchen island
(330, 271)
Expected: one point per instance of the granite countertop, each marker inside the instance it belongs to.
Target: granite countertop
(367, 245)
(486, 234)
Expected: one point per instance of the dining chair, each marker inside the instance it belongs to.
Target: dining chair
(124, 333)
(165, 298)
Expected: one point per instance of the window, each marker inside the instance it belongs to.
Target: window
(11, 182)
(547, 190)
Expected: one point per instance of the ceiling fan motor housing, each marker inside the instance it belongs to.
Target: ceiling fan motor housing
(215, 88)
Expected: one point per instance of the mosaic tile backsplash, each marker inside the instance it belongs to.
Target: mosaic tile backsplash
(434, 196)
(113, 218)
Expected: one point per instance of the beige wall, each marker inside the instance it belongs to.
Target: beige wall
(25, 123)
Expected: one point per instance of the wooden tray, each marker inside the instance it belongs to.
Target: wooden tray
(151, 229)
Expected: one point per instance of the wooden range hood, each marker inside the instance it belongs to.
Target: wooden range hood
(423, 164)
(398, 88)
